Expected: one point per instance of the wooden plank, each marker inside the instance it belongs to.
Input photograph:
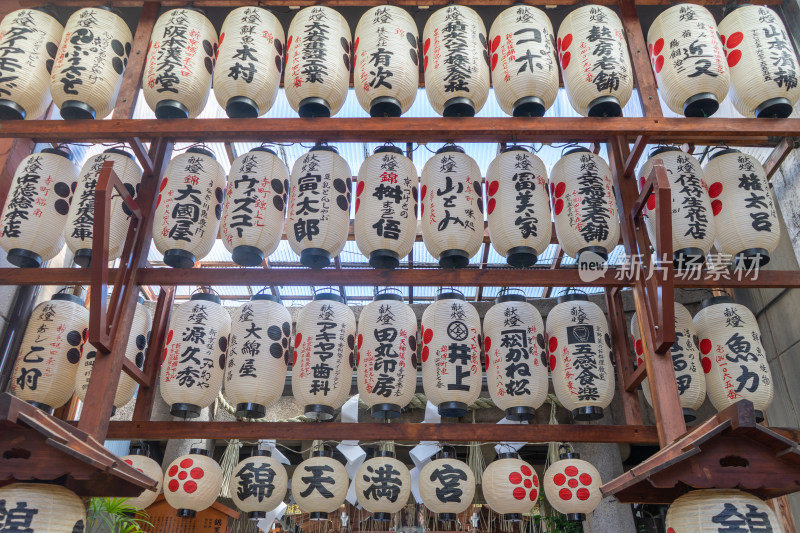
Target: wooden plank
(635, 155)
(14, 151)
(354, 3)
(152, 363)
(636, 378)
(640, 59)
(779, 155)
(631, 408)
(132, 78)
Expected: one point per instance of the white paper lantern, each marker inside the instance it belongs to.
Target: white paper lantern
(194, 355)
(518, 206)
(192, 482)
(189, 207)
(447, 487)
(687, 57)
(44, 375)
(258, 484)
(151, 469)
(510, 486)
(319, 485)
(180, 60)
(252, 218)
(719, 510)
(386, 207)
(572, 487)
(383, 485)
(318, 60)
(36, 208)
(456, 61)
(41, 507)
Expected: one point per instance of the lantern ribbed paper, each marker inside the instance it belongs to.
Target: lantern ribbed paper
(518, 206)
(258, 353)
(48, 358)
(733, 357)
(386, 207)
(318, 60)
(35, 507)
(383, 485)
(28, 42)
(194, 355)
(258, 484)
(151, 469)
(719, 510)
(189, 207)
(319, 485)
(456, 61)
(510, 486)
(688, 60)
(572, 487)
(180, 60)
(36, 208)
(192, 482)
(595, 62)
(447, 487)
(252, 218)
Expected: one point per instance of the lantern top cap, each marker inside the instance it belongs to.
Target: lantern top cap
(573, 297)
(388, 149)
(201, 151)
(449, 294)
(714, 300)
(450, 148)
(741, 5)
(189, 8)
(271, 297)
(321, 452)
(508, 455)
(577, 150)
(57, 151)
(569, 455)
(324, 148)
(262, 453)
(264, 149)
(110, 9)
(207, 297)
(725, 151)
(328, 296)
(65, 297)
(506, 295)
(389, 293)
(199, 451)
(137, 450)
(662, 149)
(384, 453)
(119, 151)
(514, 148)
(47, 11)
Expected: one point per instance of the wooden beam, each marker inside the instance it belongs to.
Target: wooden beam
(557, 258)
(484, 260)
(631, 408)
(350, 3)
(779, 155)
(152, 363)
(132, 78)
(635, 155)
(636, 378)
(640, 59)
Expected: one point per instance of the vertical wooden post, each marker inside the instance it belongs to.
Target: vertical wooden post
(132, 78)
(152, 363)
(640, 59)
(624, 363)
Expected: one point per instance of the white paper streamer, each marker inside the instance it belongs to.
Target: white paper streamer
(354, 453)
(265, 524)
(415, 484)
(506, 446)
(272, 446)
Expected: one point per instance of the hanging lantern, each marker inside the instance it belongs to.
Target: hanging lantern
(510, 486)
(36, 208)
(733, 357)
(514, 343)
(194, 355)
(746, 221)
(324, 344)
(80, 219)
(189, 207)
(719, 510)
(383, 485)
(258, 353)
(595, 62)
(151, 469)
(192, 482)
(318, 66)
(687, 57)
(387, 347)
(572, 486)
(180, 60)
(258, 484)
(447, 486)
(584, 207)
(451, 353)
(580, 356)
(41, 507)
(319, 223)
(762, 62)
(518, 206)
(386, 207)
(44, 375)
(456, 61)
(252, 219)
(319, 484)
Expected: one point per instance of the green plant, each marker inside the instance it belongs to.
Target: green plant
(116, 515)
(556, 524)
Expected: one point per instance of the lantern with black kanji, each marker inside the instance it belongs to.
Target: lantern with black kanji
(44, 375)
(318, 60)
(318, 216)
(189, 207)
(149, 468)
(447, 486)
(36, 208)
(80, 219)
(383, 485)
(319, 484)
(192, 482)
(451, 353)
(252, 217)
(572, 486)
(510, 486)
(41, 507)
(518, 206)
(580, 356)
(514, 343)
(324, 355)
(29, 41)
(194, 355)
(258, 484)
(687, 57)
(745, 216)
(258, 352)
(732, 355)
(386, 207)
(456, 61)
(719, 510)
(180, 60)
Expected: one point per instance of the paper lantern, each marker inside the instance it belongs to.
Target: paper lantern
(447, 486)
(510, 486)
(514, 343)
(41, 507)
(386, 207)
(715, 510)
(44, 375)
(580, 356)
(318, 65)
(258, 484)
(762, 62)
(192, 482)
(584, 207)
(456, 61)
(687, 57)
(318, 217)
(36, 208)
(194, 355)
(189, 207)
(572, 487)
(518, 206)
(28, 43)
(595, 62)
(258, 353)
(452, 207)
(733, 356)
(383, 485)
(151, 469)
(319, 485)
(324, 357)
(745, 218)
(180, 60)
(252, 218)
(451, 354)
(387, 347)
(80, 219)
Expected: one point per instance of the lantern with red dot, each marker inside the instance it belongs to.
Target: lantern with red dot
(192, 482)
(510, 486)
(383, 485)
(258, 484)
(719, 510)
(572, 486)
(319, 484)
(447, 486)
(138, 460)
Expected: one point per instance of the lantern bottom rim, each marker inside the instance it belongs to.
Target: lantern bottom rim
(241, 107)
(700, 105)
(512, 517)
(318, 411)
(42, 406)
(752, 257)
(597, 250)
(187, 513)
(256, 515)
(453, 259)
(575, 517)
(318, 515)
(384, 411)
(604, 106)
(588, 412)
(248, 256)
(688, 258)
(384, 259)
(24, 258)
(759, 415)
(76, 110)
(315, 258)
(11, 110)
(521, 256)
(453, 409)
(459, 107)
(250, 410)
(177, 258)
(185, 410)
(520, 413)
(774, 108)
(381, 517)
(314, 107)
(689, 415)
(171, 109)
(528, 106)
(447, 517)
(83, 257)
(385, 106)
